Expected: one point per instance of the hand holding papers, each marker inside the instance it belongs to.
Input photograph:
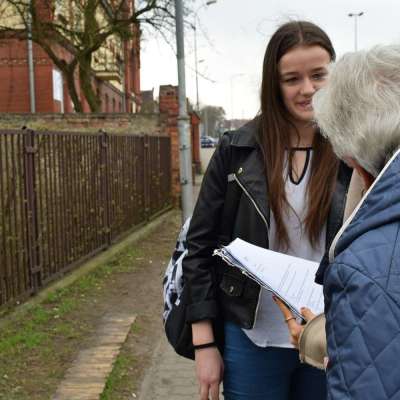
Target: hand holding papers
(289, 278)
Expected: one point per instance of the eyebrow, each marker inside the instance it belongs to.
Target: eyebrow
(295, 72)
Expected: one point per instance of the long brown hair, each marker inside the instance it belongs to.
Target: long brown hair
(274, 134)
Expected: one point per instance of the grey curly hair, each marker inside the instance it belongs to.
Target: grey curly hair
(359, 108)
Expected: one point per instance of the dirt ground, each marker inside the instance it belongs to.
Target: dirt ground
(37, 349)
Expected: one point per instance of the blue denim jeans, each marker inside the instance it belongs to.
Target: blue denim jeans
(272, 373)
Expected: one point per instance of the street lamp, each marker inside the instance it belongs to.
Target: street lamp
(185, 154)
(196, 62)
(355, 15)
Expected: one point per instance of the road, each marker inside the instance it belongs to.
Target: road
(205, 155)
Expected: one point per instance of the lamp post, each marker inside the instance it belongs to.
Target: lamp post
(231, 87)
(355, 15)
(195, 64)
(194, 27)
(185, 153)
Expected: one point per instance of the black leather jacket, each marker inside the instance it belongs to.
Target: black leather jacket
(216, 290)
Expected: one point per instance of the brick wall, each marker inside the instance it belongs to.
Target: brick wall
(14, 81)
(114, 123)
(169, 111)
(195, 131)
(14, 78)
(164, 122)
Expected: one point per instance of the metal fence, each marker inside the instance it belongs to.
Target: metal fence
(66, 196)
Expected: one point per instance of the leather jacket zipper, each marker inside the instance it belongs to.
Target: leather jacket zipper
(267, 226)
(252, 200)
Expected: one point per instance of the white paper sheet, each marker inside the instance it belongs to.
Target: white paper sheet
(290, 278)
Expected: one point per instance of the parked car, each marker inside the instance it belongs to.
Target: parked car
(208, 141)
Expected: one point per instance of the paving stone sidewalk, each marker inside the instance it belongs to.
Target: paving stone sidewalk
(170, 376)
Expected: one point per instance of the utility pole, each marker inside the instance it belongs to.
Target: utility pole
(185, 155)
(355, 15)
(196, 66)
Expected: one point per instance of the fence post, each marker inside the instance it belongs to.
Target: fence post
(105, 185)
(146, 179)
(35, 269)
(159, 175)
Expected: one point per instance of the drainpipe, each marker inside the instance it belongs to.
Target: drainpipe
(30, 64)
(123, 80)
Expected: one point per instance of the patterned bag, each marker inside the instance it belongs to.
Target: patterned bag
(179, 333)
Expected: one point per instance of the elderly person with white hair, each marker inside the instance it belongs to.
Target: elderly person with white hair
(359, 111)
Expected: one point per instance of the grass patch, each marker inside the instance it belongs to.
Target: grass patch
(119, 383)
(16, 341)
(37, 345)
(31, 330)
(119, 377)
(65, 329)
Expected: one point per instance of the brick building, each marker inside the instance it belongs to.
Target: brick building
(115, 77)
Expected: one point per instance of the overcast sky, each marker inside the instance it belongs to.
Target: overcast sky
(233, 34)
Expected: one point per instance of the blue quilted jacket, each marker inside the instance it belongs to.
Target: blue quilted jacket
(362, 296)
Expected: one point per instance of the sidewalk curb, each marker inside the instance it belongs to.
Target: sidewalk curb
(88, 266)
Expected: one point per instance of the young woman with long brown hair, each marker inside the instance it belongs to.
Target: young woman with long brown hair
(289, 191)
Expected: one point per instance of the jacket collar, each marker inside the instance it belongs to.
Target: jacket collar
(248, 172)
(380, 206)
(246, 136)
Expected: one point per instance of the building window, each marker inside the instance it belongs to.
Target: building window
(58, 88)
(113, 105)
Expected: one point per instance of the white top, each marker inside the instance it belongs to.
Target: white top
(269, 329)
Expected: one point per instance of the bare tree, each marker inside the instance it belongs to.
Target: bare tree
(82, 28)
